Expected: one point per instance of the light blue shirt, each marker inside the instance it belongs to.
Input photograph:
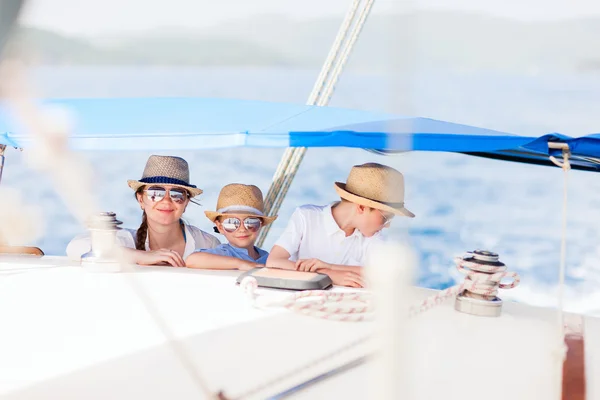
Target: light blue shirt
(242, 254)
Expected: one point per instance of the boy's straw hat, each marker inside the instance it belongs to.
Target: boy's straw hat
(240, 199)
(376, 186)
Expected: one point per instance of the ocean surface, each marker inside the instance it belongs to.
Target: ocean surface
(462, 203)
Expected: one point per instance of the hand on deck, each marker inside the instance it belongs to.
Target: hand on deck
(158, 257)
(311, 265)
(340, 274)
(345, 278)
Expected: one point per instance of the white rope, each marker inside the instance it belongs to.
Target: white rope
(312, 100)
(320, 95)
(297, 154)
(333, 54)
(362, 18)
(349, 307)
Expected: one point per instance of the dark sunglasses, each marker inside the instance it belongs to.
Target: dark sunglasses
(232, 224)
(158, 193)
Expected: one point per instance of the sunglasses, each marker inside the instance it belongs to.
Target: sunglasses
(387, 217)
(232, 224)
(157, 193)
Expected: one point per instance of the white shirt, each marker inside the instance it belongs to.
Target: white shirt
(313, 233)
(194, 239)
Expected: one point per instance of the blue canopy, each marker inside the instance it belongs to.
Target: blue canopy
(200, 123)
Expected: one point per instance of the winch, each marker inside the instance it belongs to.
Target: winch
(103, 256)
(483, 271)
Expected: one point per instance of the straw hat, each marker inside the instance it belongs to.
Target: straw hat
(166, 170)
(376, 186)
(240, 199)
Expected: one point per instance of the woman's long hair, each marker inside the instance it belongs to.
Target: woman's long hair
(142, 232)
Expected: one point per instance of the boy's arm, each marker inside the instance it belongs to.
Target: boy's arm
(344, 277)
(352, 268)
(315, 265)
(280, 258)
(202, 260)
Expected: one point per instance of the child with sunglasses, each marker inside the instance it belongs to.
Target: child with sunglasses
(335, 239)
(163, 238)
(239, 217)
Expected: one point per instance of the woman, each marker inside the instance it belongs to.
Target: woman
(163, 194)
(239, 217)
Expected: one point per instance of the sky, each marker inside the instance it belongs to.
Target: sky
(108, 17)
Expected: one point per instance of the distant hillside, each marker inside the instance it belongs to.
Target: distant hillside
(449, 40)
(44, 47)
(47, 47)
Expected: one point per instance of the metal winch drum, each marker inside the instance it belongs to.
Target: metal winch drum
(470, 303)
(103, 229)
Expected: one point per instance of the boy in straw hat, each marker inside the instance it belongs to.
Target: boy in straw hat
(335, 239)
(239, 217)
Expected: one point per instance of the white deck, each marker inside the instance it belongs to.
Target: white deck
(66, 333)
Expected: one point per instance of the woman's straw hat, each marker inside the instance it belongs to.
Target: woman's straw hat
(241, 200)
(166, 170)
(376, 186)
